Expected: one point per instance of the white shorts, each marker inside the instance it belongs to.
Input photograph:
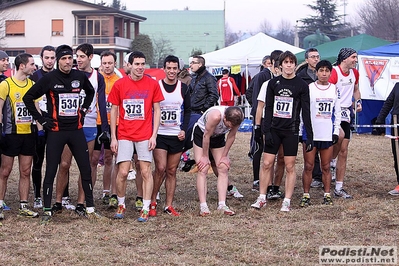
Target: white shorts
(126, 149)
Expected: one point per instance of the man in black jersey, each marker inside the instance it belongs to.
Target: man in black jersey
(64, 124)
(286, 96)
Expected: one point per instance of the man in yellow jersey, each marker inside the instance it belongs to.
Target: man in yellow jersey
(17, 138)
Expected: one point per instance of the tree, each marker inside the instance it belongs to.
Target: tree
(4, 16)
(196, 51)
(326, 20)
(285, 32)
(162, 48)
(266, 27)
(117, 5)
(379, 19)
(230, 37)
(143, 43)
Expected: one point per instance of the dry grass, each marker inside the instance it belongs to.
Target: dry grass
(266, 237)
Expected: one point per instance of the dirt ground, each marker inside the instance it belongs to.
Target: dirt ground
(267, 236)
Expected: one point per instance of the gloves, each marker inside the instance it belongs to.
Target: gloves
(269, 139)
(104, 137)
(258, 135)
(309, 145)
(46, 122)
(41, 138)
(378, 122)
(334, 139)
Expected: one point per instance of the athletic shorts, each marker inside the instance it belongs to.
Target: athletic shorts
(171, 144)
(90, 133)
(289, 140)
(320, 145)
(97, 146)
(346, 127)
(127, 147)
(18, 144)
(218, 141)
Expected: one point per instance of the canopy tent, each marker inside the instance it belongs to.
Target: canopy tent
(248, 52)
(379, 71)
(330, 50)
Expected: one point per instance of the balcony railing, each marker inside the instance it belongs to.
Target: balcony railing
(103, 40)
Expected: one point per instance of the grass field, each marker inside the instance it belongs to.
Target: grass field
(251, 237)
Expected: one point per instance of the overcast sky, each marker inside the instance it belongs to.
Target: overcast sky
(244, 15)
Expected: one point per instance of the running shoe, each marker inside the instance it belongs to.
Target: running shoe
(277, 195)
(57, 208)
(113, 202)
(131, 175)
(395, 191)
(6, 207)
(80, 210)
(143, 216)
(153, 209)
(333, 171)
(342, 194)
(259, 203)
(255, 186)
(285, 207)
(316, 184)
(139, 204)
(204, 211)
(1, 213)
(38, 203)
(305, 201)
(269, 194)
(66, 203)
(226, 210)
(25, 212)
(234, 192)
(327, 200)
(120, 212)
(46, 218)
(106, 199)
(94, 216)
(171, 211)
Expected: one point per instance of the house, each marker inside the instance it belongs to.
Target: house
(31, 24)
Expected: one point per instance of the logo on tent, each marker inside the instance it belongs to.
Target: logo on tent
(374, 69)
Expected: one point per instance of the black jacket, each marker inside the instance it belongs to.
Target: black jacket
(391, 103)
(203, 91)
(253, 90)
(302, 72)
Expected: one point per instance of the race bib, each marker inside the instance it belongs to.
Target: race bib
(134, 109)
(22, 115)
(170, 115)
(283, 107)
(345, 115)
(324, 107)
(68, 104)
(82, 97)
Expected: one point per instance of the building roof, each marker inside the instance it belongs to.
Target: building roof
(100, 9)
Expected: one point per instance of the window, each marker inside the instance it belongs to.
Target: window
(57, 27)
(15, 27)
(93, 26)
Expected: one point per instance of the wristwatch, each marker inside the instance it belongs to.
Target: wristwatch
(256, 126)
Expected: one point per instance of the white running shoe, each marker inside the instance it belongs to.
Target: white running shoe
(259, 203)
(131, 175)
(66, 203)
(285, 207)
(234, 192)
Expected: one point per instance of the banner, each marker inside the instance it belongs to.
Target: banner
(377, 76)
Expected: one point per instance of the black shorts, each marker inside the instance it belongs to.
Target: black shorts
(287, 138)
(218, 141)
(346, 127)
(18, 144)
(320, 145)
(171, 144)
(97, 146)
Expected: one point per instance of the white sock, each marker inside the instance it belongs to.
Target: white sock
(306, 195)
(262, 196)
(287, 200)
(326, 194)
(1, 203)
(146, 204)
(222, 203)
(121, 201)
(106, 192)
(90, 209)
(203, 205)
(338, 185)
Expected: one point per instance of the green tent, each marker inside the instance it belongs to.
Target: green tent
(330, 50)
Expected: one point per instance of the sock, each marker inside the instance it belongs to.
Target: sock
(114, 196)
(333, 162)
(326, 194)
(146, 205)
(80, 206)
(121, 201)
(269, 188)
(222, 203)
(262, 196)
(306, 195)
(1, 203)
(287, 200)
(338, 185)
(139, 198)
(90, 209)
(256, 182)
(203, 205)
(105, 192)
(59, 205)
(230, 187)
(276, 188)
(23, 204)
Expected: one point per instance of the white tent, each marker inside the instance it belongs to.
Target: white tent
(248, 52)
